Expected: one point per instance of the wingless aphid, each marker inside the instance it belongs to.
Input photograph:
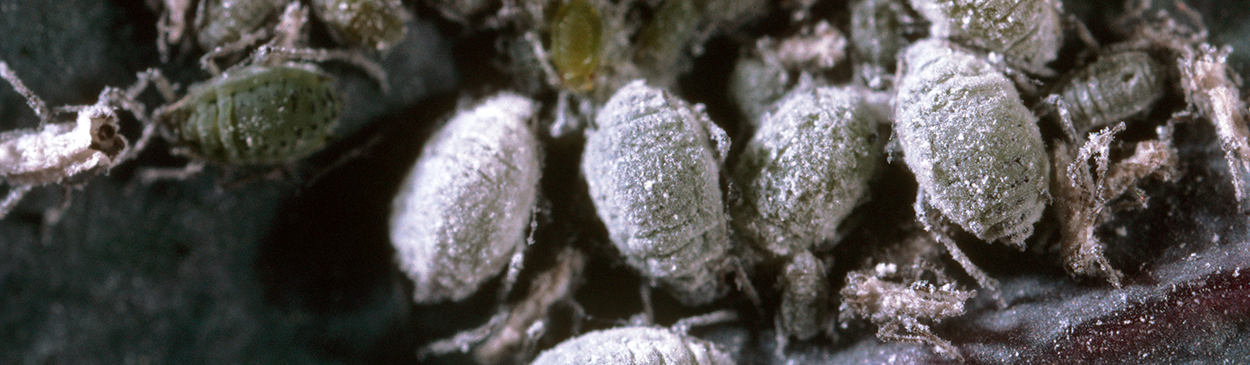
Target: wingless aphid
(801, 174)
(576, 41)
(876, 38)
(652, 163)
(461, 214)
(257, 114)
(974, 147)
(1114, 87)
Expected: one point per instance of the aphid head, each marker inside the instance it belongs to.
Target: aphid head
(102, 122)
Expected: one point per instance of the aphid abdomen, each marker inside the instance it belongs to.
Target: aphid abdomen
(1029, 31)
(654, 180)
(1113, 88)
(634, 346)
(260, 115)
(463, 209)
(974, 147)
(372, 23)
(805, 169)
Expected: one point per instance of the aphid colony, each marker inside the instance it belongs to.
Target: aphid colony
(678, 209)
(964, 111)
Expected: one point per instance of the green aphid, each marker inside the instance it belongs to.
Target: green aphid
(257, 115)
(576, 40)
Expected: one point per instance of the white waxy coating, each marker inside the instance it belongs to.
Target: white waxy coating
(58, 151)
(805, 170)
(1029, 31)
(463, 209)
(975, 149)
(653, 175)
(634, 346)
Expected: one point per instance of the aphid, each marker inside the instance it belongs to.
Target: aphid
(804, 300)
(653, 174)
(1081, 196)
(639, 346)
(258, 114)
(460, 215)
(801, 174)
(576, 41)
(659, 49)
(901, 311)
(876, 37)
(805, 170)
(975, 149)
(59, 153)
(377, 24)
(755, 85)
(1026, 31)
(1210, 90)
(1113, 88)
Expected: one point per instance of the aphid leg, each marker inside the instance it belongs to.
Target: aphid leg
(207, 61)
(744, 284)
(36, 104)
(908, 329)
(553, 77)
(290, 25)
(53, 215)
(930, 218)
(1083, 33)
(783, 338)
(1065, 116)
(648, 312)
(267, 54)
(16, 192)
(462, 341)
(684, 325)
(515, 264)
(527, 320)
(153, 174)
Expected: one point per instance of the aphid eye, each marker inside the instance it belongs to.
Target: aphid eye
(106, 132)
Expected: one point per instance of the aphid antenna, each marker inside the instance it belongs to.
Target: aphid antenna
(553, 77)
(36, 104)
(16, 192)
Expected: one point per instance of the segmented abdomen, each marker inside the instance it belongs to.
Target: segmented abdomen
(259, 115)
